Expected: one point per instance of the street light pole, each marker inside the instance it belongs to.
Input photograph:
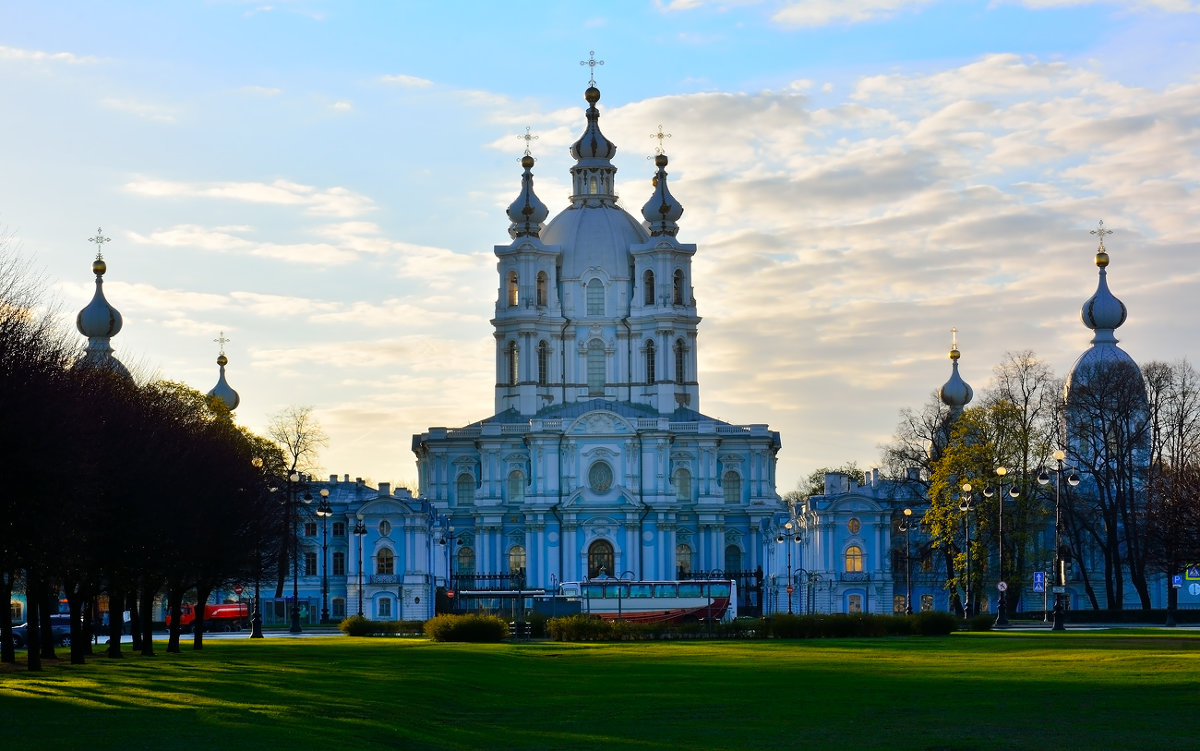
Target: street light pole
(1060, 577)
(360, 529)
(324, 511)
(966, 507)
(790, 533)
(905, 526)
(1002, 585)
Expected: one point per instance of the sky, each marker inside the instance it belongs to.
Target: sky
(324, 183)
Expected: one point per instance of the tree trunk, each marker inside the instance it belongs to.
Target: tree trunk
(79, 639)
(116, 622)
(175, 606)
(202, 594)
(33, 642)
(7, 653)
(147, 622)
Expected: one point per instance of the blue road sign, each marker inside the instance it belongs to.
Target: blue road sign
(1039, 581)
(1177, 581)
(1193, 572)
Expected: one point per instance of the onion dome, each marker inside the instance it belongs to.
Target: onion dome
(527, 213)
(955, 393)
(662, 211)
(223, 390)
(593, 174)
(99, 321)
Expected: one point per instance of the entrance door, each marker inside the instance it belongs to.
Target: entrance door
(600, 559)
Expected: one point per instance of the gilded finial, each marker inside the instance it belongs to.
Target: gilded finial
(592, 62)
(528, 138)
(1101, 253)
(954, 353)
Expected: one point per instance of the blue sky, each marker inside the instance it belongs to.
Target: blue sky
(324, 182)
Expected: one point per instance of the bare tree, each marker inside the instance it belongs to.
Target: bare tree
(300, 436)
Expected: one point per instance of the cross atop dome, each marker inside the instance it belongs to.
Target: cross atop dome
(660, 136)
(528, 138)
(99, 239)
(222, 340)
(591, 62)
(1101, 232)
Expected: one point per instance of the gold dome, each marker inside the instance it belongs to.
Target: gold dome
(99, 267)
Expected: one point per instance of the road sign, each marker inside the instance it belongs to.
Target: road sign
(1193, 572)
(1039, 581)
(450, 593)
(237, 589)
(1059, 590)
(1177, 581)
(1002, 586)
(790, 589)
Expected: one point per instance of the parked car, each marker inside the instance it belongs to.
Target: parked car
(60, 628)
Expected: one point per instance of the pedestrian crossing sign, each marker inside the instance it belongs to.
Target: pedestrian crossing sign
(1193, 572)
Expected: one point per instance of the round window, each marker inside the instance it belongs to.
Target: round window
(385, 527)
(600, 477)
(853, 525)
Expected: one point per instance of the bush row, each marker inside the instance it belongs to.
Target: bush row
(779, 626)
(472, 628)
(357, 625)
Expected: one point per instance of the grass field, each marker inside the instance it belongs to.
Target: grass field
(1079, 690)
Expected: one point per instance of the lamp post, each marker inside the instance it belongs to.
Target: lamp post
(905, 526)
(1060, 572)
(790, 533)
(324, 511)
(294, 515)
(966, 506)
(1002, 585)
(256, 617)
(360, 529)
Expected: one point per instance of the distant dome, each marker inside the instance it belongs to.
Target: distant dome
(955, 393)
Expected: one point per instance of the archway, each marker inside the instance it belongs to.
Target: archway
(600, 559)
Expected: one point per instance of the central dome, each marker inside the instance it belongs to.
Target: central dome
(594, 236)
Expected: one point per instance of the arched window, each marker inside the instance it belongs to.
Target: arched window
(595, 367)
(683, 561)
(542, 281)
(648, 286)
(516, 486)
(651, 354)
(516, 559)
(677, 287)
(543, 363)
(683, 485)
(510, 292)
(854, 560)
(600, 559)
(680, 362)
(595, 298)
(466, 490)
(733, 559)
(731, 483)
(385, 562)
(511, 360)
(465, 565)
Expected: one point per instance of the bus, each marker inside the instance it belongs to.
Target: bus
(654, 601)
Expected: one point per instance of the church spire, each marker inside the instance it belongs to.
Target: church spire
(99, 321)
(955, 393)
(662, 211)
(223, 390)
(1103, 312)
(593, 175)
(527, 213)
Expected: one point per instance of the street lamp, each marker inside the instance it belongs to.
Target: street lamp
(905, 526)
(1002, 585)
(360, 529)
(294, 512)
(966, 506)
(256, 631)
(324, 511)
(1060, 571)
(791, 532)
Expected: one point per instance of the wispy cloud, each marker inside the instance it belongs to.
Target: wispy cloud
(334, 201)
(142, 110)
(406, 81)
(14, 53)
(815, 13)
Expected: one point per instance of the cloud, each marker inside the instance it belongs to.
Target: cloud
(342, 106)
(263, 91)
(406, 81)
(14, 53)
(145, 111)
(334, 201)
(816, 13)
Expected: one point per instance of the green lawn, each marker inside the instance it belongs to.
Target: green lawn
(1079, 690)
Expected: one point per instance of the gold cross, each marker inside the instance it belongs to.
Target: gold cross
(1101, 232)
(99, 239)
(221, 339)
(592, 62)
(660, 136)
(954, 338)
(527, 138)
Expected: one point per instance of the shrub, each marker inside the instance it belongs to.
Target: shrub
(466, 628)
(981, 622)
(537, 624)
(935, 623)
(578, 628)
(356, 625)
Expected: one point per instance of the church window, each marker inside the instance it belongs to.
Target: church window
(677, 287)
(732, 485)
(898, 605)
(854, 525)
(542, 281)
(651, 354)
(600, 559)
(854, 603)
(648, 286)
(854, 560)
(680, 362)
(337, 608)
(339, 529)
(600, 477)
(733, 559)
(310, 563)
(683, 561)
(595, 368)
(310, 529)
(511, 291)
(516, 486)
(595, 298)
(466, 490)
(339, 563)
(683, 485)
(543, 358)
(926, 603)
(385, 528)
(465, 565)
(385, 607)
(516, 559)
(593, 185)
(385, 562)
(511, 362)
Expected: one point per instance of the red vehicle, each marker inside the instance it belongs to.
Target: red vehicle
(228, 616)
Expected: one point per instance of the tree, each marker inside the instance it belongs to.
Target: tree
(300, 438)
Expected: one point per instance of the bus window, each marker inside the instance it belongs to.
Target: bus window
(595, 591)
(616, 590)
(719, 589)
(639, 590)
(664, 590)
(688, 589)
